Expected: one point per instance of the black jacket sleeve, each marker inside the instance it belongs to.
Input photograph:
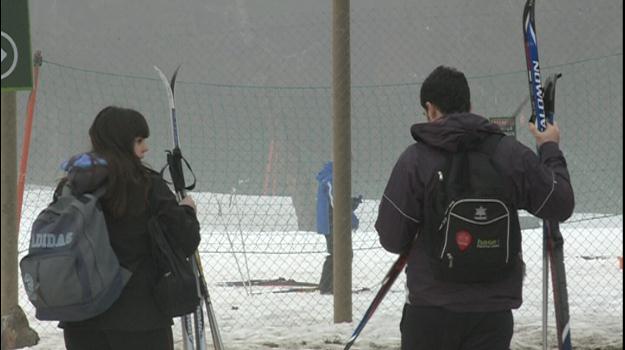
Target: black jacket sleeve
(399, 214)
(178, 221)
(543, 183)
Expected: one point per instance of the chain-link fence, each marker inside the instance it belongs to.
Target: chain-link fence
(257, 138)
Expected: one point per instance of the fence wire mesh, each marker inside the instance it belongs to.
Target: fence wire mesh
(255, 114)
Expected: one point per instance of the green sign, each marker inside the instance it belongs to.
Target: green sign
(507, 124)
(16, 56)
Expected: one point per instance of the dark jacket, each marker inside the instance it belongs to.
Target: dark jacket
(136, 310)
(541, 186)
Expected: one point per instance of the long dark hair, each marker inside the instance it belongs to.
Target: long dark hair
(113, 135)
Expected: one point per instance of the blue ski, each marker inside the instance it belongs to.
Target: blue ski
(543, 112)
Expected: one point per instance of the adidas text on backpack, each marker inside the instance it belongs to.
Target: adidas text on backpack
(71, 273)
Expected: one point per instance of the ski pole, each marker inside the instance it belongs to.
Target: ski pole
(212, 319)
(234, 254)
(240, 229)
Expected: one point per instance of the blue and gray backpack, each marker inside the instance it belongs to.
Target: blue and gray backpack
(71, 272)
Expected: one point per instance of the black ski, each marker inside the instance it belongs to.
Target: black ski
(174, 164)
(387, 283)
(543, 112)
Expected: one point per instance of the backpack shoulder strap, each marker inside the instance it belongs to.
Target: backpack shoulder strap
(150, 204)
(99, 193)
(489, 145)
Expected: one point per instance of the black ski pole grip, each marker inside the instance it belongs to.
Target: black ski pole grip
(174, 162)
(550, 96)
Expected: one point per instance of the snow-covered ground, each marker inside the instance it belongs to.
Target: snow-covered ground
(240, 241)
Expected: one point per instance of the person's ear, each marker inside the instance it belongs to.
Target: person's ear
(428, 111)
(432, 112)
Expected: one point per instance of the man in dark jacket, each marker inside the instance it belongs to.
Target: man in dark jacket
(443, 315)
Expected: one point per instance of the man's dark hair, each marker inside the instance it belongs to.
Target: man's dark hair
(448, 89)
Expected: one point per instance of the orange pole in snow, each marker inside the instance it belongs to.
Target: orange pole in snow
(268, 169)
(28, 127)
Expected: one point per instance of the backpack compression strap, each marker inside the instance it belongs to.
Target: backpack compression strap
(459, 179)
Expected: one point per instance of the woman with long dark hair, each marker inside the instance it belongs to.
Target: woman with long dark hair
(133, 193)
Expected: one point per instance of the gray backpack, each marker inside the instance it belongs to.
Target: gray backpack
(71, 272)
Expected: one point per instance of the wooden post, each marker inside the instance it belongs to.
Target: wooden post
(341, 177)
(8, 181)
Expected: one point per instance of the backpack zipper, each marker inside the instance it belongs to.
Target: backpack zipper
(446, 215)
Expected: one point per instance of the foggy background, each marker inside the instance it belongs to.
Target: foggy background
(254, 108)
